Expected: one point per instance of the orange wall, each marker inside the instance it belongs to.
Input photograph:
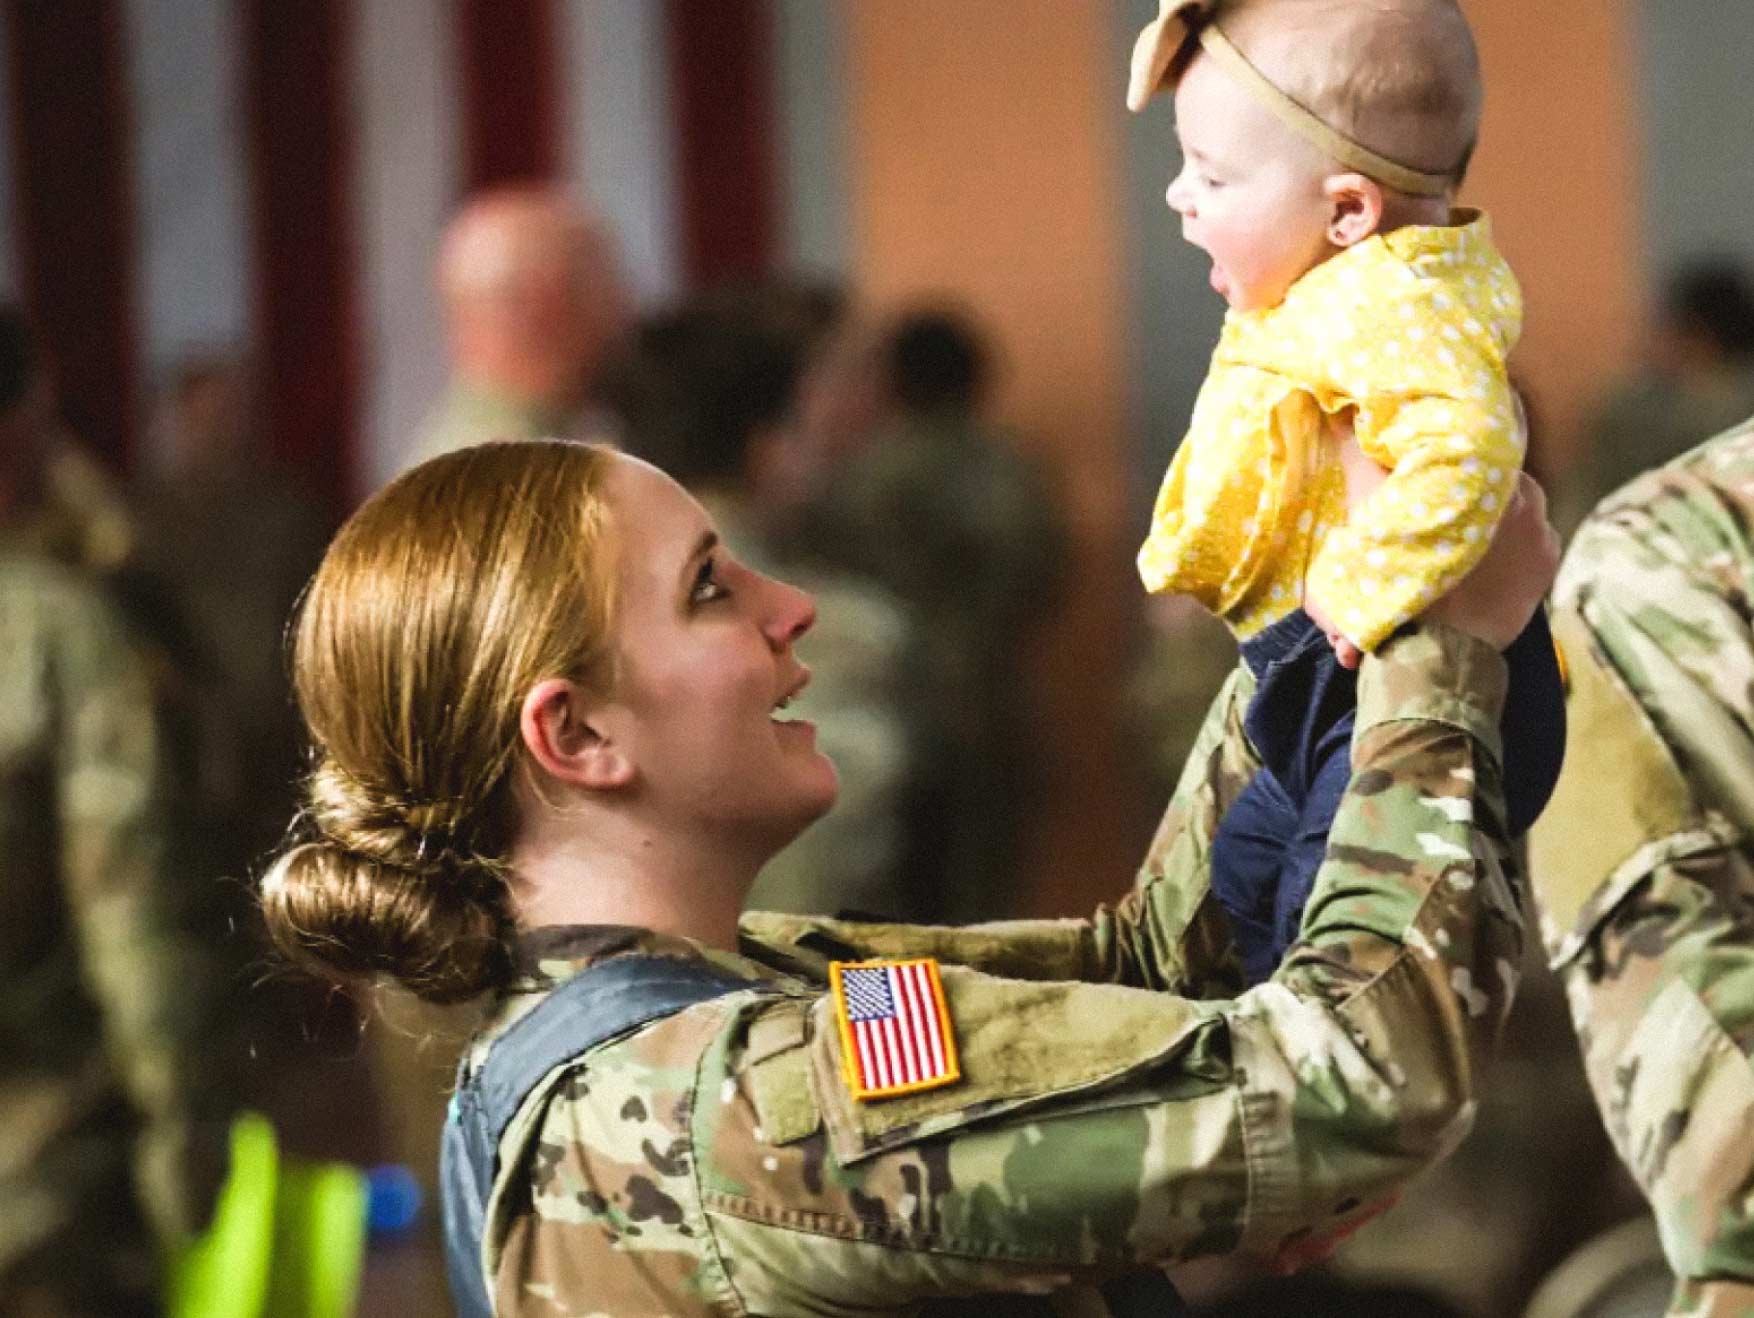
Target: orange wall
(985, 164)
(1559, 169)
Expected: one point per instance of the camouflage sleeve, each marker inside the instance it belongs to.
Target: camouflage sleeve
(1169, 933)
(1644, 861)
(149, 977)
(1098, 1126)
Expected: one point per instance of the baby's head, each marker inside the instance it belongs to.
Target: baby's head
(1261, 189)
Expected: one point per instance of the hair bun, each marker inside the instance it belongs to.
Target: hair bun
(378, 826)
(343, 914)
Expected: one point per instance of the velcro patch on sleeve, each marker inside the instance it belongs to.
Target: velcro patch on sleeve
(895, 1029)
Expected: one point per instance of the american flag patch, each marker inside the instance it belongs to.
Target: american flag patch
(894, 1026)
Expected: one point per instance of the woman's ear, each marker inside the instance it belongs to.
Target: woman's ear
(565, 739)
(1355, 208)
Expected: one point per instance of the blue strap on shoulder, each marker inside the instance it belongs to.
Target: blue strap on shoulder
(602, 1002)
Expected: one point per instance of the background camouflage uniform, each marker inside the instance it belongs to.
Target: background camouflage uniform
(714, 1163)
(1644, 862)
(471, 415)
(107, 1066)
(1644, 422)
(80, 516)
(953, 521)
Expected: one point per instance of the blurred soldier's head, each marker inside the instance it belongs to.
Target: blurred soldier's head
(532, 295)
(709, 390)
(205, 416)
(937, 363)
(1707, 317)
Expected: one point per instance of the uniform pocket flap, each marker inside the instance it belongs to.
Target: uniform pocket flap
(1022, 1044)
(778, 1031)
(776, 1068)
(1603, 831)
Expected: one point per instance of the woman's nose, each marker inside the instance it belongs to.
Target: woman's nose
(791, 613)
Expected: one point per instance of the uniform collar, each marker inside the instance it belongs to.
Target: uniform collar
(547, 957)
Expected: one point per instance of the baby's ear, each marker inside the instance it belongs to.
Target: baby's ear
(1355, 208)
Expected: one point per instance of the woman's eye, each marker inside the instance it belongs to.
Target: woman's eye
(707, 586)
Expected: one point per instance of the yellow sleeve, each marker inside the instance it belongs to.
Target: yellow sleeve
(1211, 533)
(1435, 408)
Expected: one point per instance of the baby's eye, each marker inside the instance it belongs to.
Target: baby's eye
(707, 587)
(1207, 181)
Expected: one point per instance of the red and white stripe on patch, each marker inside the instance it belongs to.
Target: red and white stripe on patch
(895, 1030)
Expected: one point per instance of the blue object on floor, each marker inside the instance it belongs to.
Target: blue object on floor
(393, 1199)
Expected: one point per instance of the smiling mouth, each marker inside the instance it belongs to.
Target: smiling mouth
(793, 726)
(792, 693)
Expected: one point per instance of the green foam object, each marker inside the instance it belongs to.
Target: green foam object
(287, 1239)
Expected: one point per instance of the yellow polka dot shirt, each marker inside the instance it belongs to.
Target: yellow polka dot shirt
(1409, 331)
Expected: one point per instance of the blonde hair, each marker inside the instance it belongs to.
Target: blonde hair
(441, 602)
(1401, 77)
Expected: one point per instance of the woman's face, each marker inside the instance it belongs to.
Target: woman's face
(705, 664)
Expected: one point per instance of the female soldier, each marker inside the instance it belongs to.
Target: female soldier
(547, 709)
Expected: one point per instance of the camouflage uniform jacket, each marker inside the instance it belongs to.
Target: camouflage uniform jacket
(715, 1163)
(103, 1005)
(1644, 861)
(951, 518)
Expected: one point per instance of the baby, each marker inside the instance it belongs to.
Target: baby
(1323, 142)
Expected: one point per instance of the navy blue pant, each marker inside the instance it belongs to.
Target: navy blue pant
(1273, 838)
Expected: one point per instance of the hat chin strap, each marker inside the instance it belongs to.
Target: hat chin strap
(1413, 182)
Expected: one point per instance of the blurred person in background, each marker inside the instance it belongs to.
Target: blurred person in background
(115, 1074)
(1696, 381)
(234, 540)
(944, 509)
(225, 542)
(843, 395)
(65, 504)
(710, 392)
(533, 300)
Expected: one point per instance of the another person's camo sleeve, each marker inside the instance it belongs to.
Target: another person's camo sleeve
(1644, 862)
